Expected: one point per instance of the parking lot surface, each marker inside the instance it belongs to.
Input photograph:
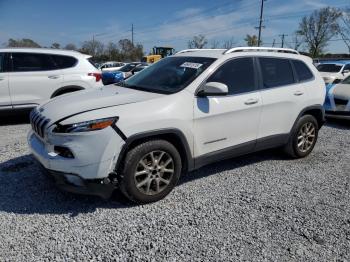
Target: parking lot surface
(263, 206)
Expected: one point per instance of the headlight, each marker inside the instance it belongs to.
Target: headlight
(86, 126)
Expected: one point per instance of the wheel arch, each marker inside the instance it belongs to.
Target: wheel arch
(174, 136)
(66, 89)
(316, 111)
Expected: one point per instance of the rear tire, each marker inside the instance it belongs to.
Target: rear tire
(303, 137)
(151, 170)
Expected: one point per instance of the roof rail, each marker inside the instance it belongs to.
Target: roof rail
(194, 50)
(261, 49)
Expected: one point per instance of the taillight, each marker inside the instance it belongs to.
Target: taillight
(98, 76)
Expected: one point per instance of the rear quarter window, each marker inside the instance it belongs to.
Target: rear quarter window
(63, 62)
(29, 62)
(2, 60)
(302, 70)
(276, 72)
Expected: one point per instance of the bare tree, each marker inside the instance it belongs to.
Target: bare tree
(252, 40)
(112, 51)
(214, 43)
(70, 46)
(344, 27)
(297, 41)
(92, 47)
(198, 41)
(229, 43)
(318, 28)
(56, 45)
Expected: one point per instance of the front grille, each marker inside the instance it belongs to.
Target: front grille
(38, 122)
(339, 101)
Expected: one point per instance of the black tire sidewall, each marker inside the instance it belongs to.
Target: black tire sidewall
(302, 121)
(133, 157)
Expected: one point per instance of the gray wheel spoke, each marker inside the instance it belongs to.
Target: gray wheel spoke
(153, 159)
(166, 170)
(168, 162)
(148, 185)
(301, 143)
(157, 185)
(164, 180)
(143, 182)
(139, 173)
(160, 156)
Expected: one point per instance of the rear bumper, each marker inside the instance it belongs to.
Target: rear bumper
(75, 184)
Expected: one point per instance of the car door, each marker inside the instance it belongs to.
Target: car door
(34, 77)
(283, 98)
(5, 98)
(222, 123)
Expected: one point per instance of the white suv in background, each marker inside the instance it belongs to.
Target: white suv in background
(334, 72)
(30, 76)
(183, 112)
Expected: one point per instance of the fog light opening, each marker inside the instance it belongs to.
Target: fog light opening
(63, 152)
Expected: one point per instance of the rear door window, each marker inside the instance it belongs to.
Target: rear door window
(63, 61)
(28, 62)
(302, 70)
(276, 72)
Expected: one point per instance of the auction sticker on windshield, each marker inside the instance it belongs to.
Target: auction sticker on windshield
(191, 65)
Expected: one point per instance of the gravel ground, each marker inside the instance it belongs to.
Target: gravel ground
(258, 207)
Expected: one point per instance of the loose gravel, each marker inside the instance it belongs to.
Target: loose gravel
(258, 207)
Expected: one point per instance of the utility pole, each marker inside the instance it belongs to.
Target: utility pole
(273, 43)
(282, 38)
(132, 34)
(261, 21)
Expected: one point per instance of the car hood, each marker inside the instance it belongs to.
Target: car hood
(82, 101)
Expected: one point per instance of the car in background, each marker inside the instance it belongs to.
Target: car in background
(111, 66)
(335, 71)
(123, 73)
(337, 103)
(30, 76)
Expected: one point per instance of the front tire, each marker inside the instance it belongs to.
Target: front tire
(151, 171)
(303, 137)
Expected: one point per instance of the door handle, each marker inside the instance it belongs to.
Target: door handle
(2, 78)
(298, 93)
(251, 101)
(53, 77)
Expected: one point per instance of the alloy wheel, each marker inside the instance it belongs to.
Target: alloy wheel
(154, 172)
(306, 137)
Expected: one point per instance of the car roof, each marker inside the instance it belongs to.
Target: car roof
(44, 51)
(256, 51)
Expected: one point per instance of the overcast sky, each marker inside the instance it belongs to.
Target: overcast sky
(156, 22)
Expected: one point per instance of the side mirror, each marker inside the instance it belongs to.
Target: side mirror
(212, 89)
(346, 71)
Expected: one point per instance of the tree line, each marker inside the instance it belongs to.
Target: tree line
(312, 36)
(123, 50)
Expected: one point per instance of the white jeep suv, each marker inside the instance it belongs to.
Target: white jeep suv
(30, 76)
(183, 112)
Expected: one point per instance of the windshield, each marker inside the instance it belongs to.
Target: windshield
(169, 75)
(331, 68)
(127, 68)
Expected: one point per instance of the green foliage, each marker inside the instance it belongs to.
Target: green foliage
(25, 42)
